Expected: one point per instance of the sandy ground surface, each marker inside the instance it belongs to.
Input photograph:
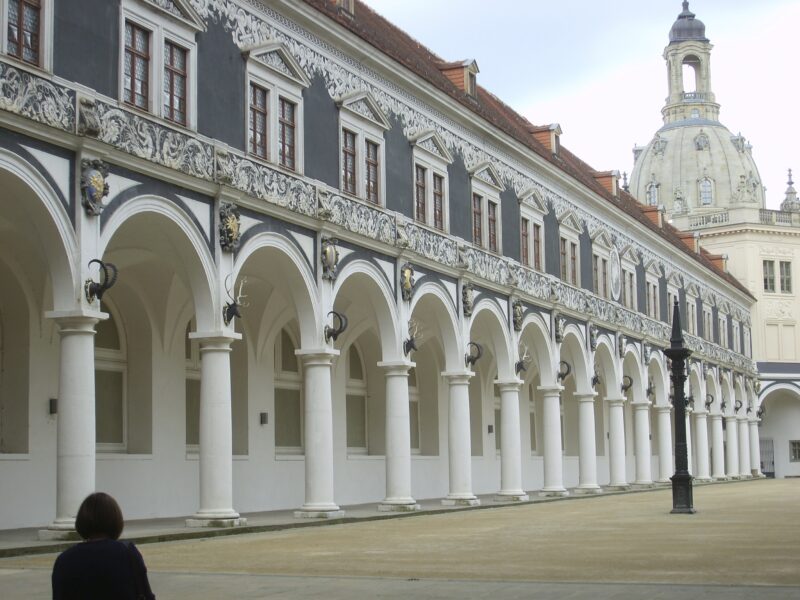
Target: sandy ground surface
(743, 534)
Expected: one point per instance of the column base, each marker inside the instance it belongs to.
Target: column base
(553, 493)
(759, 475)
(318, 511)
(642, 485)
(585, 490)
(618, 487)
(748, 476)
(59, 532)
(720, 478)
(734, 477)
(199, 521)
(461, 501)
(663, 481)
(503, 497)
(409, 505)
(702, 479)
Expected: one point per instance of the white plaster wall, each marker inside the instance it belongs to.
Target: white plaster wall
(782, 424)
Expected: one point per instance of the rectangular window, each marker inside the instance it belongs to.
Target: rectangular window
(573, 263)
(24, 23)
(524, 241)
(477, 220)
(595, 275)
(348, 161)
(137, 66)
(192, 412)
(670, 306)
(533, 430)
(287, 126)
(258, 121)
(497, 422)
(492, 226)
(175, 83)
(537, 245)
(356, 415)
(438, 202)
(786, 277)
(794, 451)
(420, 174)
(109, 408)
(371, 171)
(288, 418)
(769, 276)
(563, 259)
(604, 278)
(413, 420)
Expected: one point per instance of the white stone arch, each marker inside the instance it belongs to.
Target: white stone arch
(61, 250)
(573, 350)
(695, 381)
(713, 388)
(303, 289)
(380, 297)
(431, 296)
(535, 330)
(780, 386)
(201, 272)
(487, 312)
(726, 393)
(741, 395)
(657, 372)
(604, 359)
(632, 367)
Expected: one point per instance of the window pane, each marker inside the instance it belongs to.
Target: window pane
(192, 412)
(438, 202)
(524, 241)
(348, 161)
(371, 171)
(288, 357)
(419, 192)
(356, 421)
(108, 407)
(288, 423)
(356, 372)
(533, 430)
(287, 133)
(786, 277)
(497, 428)
(477, 220)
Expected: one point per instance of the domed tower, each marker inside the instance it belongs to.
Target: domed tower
(694, 164)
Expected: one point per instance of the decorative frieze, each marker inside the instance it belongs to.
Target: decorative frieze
(429, 244)
(357, 217)
(36, 98)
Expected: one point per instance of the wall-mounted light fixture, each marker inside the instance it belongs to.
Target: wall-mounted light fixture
(524, 361)
(596, 379)
(737, 406)
(263, 418)
(52, 406)
(410, 344)
(338, 328)
(475, 351)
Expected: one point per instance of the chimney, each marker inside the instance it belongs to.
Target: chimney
(690, 240)
(720, 261)
(463, 75)
(548, 136)
(609, 180)
(346, 8)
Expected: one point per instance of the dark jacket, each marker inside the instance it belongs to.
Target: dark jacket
(101, 569)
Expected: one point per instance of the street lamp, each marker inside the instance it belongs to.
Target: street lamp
(682, 502)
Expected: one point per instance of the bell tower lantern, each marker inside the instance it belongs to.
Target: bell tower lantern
(688, 57)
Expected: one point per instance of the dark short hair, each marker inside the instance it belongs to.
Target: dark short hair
(99, 517)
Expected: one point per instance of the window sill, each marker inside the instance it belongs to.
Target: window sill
(261, 160)
(11, 456)
(122, 455)
(21, 64)
(366, 457)
(190, 129)
(287, 456)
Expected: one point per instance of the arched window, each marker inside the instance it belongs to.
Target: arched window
(288, 397)
(356, 397)
(706, 192)
(652, 194)
(110, 381)
(192, 392)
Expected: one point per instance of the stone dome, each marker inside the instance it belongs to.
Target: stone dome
(687, 27)
(696, 166)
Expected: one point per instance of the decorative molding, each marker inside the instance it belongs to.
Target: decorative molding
(429, 244)
(36, 98)
(467, 298)
(94, 185)
(229, 227)
(357, 217)
(329, 257)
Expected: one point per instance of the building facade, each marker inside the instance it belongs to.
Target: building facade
(277, 255)
(705, 181)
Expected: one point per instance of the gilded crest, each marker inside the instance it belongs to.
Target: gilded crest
(94, 186)
(407, 281)
(229, 226)
(329, 256)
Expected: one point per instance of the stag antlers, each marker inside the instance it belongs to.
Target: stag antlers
(231, 309)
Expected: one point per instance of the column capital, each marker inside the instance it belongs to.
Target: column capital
(715, 416)
(397, 367)
(509, 385)
(458, 376)
(615, 400)
(663, 408)
(640, 405)
(550, 390)
(316, 356)
(76, 320)
(701, 412)
(587, 397)
(215, 337)
(730, 417)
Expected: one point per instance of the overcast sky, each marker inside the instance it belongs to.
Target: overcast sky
(596, 67)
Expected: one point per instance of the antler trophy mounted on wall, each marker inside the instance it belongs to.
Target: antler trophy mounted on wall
(231, 309)
(94, 290)
(524, 360)
(474, 354)
(340, 324)
(414, 337)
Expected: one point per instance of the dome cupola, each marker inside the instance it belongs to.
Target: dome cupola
(687, 27)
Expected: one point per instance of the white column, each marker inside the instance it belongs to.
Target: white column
(732, 447)
(616, 433)
(510, 444)
(701, 450)
(458, 441)
(398, 439)
(755, 449)
(641, 421)
(76, 439)
(318, 434)
(551, 433)
(216, 435)
(665, 468)
(587, 446)
(689, 445)
(717, 448)
(744, 448)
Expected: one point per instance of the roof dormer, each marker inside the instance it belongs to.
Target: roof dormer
(346, 8)
(548, 136)
(463, 75)
(609, 180)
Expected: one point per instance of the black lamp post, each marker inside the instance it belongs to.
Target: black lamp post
(682, 502)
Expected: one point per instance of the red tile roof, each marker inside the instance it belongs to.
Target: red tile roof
(401, 47)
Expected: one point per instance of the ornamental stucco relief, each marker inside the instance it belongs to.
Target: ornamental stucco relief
(36, 98)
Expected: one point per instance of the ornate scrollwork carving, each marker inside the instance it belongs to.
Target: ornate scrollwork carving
(467, 298)
(329, 257)
(88, 118)
(407, 281)
(517, 314)
(229, 226)
(94, 186)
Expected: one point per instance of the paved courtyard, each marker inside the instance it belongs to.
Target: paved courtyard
(745, 535)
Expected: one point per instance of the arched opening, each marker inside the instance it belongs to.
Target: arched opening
(690, 71)
(779, 441)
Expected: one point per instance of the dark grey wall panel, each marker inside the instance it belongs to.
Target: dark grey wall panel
(585, 245)
(321, 123)
(399, 171)
(552, 257)
(663, 299)
(715, 325)
(700, 320)
(460, 213)
(729, 333)
(86, 43)
(641, 287)
(221, 80)
(509, 209)
(682, 304)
